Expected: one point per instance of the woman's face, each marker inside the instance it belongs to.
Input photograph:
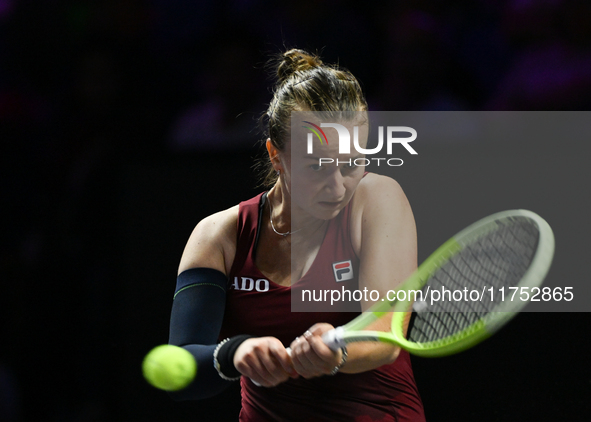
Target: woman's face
(322, 188)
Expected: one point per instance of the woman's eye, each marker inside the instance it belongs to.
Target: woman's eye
(349, 166)
(316, 167)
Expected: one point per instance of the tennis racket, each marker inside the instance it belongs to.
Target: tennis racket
(493, 259)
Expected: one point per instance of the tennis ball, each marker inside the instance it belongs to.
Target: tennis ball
(169, 368)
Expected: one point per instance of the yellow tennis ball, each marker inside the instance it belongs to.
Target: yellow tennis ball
(169, 368)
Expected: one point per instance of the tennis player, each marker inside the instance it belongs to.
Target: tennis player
(232, 306)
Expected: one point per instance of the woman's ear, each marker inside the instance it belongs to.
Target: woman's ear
(274, 155)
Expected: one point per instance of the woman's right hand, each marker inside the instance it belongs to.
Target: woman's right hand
(265, 361)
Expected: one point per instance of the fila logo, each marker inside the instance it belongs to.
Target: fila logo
(248, 284)
(342, 270)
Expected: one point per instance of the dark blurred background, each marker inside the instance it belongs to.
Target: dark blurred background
(124, 122)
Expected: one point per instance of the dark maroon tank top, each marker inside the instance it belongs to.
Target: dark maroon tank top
(256, 305)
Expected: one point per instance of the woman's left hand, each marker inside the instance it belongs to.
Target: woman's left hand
(310, 356)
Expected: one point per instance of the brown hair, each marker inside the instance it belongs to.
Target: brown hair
(304, 82)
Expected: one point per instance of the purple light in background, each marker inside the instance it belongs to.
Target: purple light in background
(6, 7)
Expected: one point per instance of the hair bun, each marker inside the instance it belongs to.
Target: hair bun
(296, 60)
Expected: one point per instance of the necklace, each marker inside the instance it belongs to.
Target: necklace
(273, 226)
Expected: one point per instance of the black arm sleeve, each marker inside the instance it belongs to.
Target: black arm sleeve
(195, 323)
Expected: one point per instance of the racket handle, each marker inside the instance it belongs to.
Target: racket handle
(334, 338)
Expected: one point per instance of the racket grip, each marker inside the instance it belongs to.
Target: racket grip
(334, 338)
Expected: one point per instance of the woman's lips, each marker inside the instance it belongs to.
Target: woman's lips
(330, 204)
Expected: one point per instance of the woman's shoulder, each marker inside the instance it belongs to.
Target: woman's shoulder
(219, 224)
(212, 243)
(375, 189)
(378, 201)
